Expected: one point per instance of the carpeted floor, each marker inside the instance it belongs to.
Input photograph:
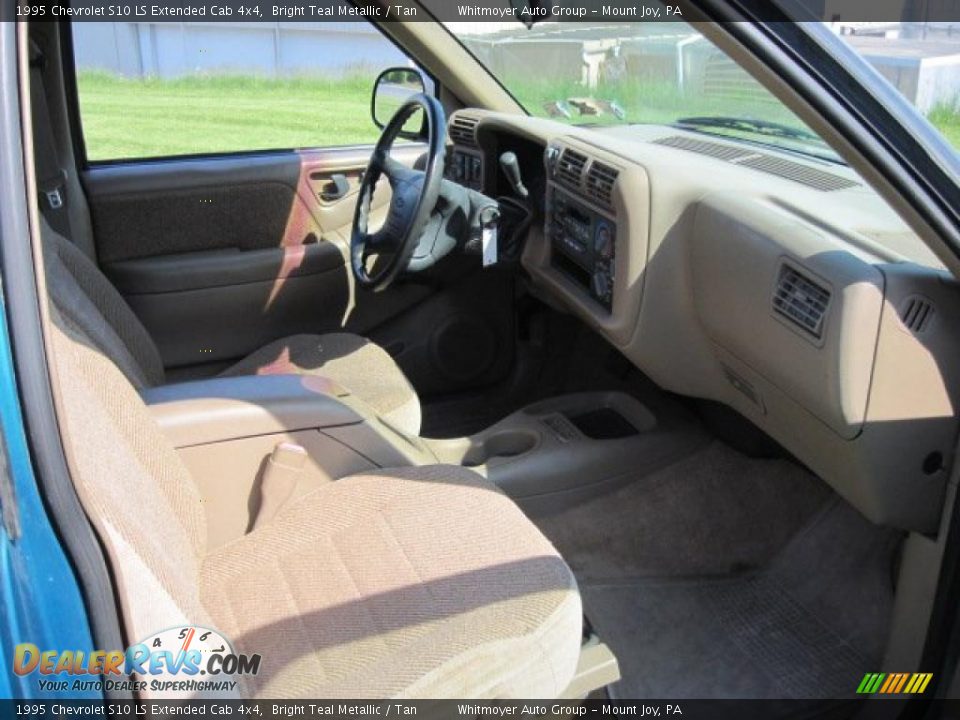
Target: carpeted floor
(714, 513)
(724, 576)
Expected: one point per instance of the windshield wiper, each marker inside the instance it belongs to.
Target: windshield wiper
(750, 126)
(762, 128)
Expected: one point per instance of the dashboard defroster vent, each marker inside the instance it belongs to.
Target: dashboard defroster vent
(771, 164)
(570, 168)
(798, 172)
(704, 147)
(800, 300)
(916, 313)
(463, 130)
(599, 184)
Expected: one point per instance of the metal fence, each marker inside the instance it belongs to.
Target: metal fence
(924, 66)
(272, 49)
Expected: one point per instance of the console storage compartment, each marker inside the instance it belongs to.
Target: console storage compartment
(566, 449)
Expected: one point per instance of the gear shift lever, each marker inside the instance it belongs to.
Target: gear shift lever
(511, 168)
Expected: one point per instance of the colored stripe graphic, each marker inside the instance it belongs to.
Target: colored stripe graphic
(890, 682)
(894, 683)
(870, 683)
(914, 683)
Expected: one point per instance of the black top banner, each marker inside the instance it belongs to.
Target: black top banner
(528, 12)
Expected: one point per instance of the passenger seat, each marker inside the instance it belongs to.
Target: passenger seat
(414, 582)
(84, 293)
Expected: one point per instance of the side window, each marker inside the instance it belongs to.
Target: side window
(921, 60)
(149, 90)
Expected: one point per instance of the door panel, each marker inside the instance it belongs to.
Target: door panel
(217, 268)
(218, 256)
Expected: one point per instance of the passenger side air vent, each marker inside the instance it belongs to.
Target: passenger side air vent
(771, 164)
(800, 300)
(463, 130)
(916, 313)
(600, 180)
(570, 167)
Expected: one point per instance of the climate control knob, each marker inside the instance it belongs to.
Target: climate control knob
(603, 242)
(601, 284)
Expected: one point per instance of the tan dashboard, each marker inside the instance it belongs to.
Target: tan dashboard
(780, 286)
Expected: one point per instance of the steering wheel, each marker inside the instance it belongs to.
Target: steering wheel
(415, 194)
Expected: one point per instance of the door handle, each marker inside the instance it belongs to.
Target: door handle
(336, 188)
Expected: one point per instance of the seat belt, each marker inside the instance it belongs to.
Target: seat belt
(278, 480)
(51, 177)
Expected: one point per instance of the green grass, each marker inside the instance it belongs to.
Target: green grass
(947, 120)
(148, 118)
(194, 115)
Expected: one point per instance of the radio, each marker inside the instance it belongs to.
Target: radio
(583, 243)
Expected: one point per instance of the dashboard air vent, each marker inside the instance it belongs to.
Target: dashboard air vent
(704, 147)
(463, 130)
(798, 172)
(916, 313)
(771, 164)
(600, 180)
(800, 300)
(570, 167)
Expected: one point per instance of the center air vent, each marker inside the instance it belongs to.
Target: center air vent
(916, 313)
(570, 167)
(600, 180)
(463, 130)
(800, 300)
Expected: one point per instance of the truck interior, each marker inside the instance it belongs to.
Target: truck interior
(690, 434)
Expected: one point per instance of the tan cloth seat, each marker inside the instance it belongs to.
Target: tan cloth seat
(86, 296)
(412, 582)
(363, 367)
(416, 582)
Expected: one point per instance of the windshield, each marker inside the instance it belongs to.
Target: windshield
(627, 73)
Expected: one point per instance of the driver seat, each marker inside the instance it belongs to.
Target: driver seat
(85, 296)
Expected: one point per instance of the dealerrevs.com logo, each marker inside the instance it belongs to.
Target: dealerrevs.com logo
(186, 659)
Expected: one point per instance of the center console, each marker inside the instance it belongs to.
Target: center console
(256, 442)
(581, 224)
(567, 449)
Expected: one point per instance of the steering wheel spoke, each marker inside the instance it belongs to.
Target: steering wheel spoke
(381, 241)
(414, 197)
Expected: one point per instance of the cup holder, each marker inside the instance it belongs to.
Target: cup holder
(509, 443)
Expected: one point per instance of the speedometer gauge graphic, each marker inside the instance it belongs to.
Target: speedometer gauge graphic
(184, 650)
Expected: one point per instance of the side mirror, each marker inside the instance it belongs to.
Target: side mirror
(392, 89)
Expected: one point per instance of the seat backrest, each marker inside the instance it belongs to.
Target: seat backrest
(137, 493)
(83, 295)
